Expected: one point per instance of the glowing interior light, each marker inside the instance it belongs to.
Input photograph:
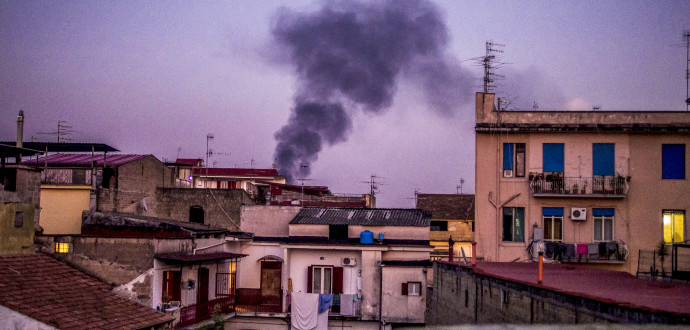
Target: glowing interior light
(189, 178)
(667, 220)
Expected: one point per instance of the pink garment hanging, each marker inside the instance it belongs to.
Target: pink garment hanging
(581, 248)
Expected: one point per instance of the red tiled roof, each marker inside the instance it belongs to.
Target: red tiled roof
(236, 171)
(598, 284)
(82, 160)
(58, 295)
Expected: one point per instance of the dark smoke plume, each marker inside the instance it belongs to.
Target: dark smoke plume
(351, 53)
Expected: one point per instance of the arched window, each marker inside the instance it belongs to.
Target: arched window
(196, 214)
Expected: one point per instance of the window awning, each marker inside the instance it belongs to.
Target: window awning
(271, 258)
(183, 258)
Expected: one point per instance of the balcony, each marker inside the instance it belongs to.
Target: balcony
(197, 313)
(555, 185)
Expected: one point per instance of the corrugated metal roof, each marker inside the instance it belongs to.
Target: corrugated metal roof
(363, 217)
(83, 160)
(236, 171)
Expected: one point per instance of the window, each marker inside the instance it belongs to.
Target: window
(603, 224)
(412, 289)
(513, 224)
(439, 226)
(171, 286)
(553, 223)
(513, 160)
(61, 247)
(337, 232)
(18, 219)
(553, 157)
(673, 226)
(196, 214)
(603, 158)
(673, 161)
(322, 279)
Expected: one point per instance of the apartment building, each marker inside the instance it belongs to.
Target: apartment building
(592, 187)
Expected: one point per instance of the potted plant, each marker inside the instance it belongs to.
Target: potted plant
(662, 251)
(166, 301)
(575, 188)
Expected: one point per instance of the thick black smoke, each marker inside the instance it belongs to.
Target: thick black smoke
(352, 53)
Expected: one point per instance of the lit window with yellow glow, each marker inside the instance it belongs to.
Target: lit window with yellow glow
(61, 247)
(673, 226)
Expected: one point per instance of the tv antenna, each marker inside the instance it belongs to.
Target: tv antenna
(63, 131)
(373, 185)
(490, 62)
(458, 189)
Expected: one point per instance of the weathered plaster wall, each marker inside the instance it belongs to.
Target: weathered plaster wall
(16, 239)
(300, 259)
(309, 230)
(61, 208)
(391, 232)
(222, 207)
(266, 220)
(136, 187)
(249, 267)
(397, 307)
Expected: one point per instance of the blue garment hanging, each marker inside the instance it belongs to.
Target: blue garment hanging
(325, 301)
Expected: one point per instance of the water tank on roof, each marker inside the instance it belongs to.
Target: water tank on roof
(380, 237)
(366, 237)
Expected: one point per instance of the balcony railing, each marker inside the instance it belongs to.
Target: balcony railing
(550, 185)
(251, 300)
(196, 313)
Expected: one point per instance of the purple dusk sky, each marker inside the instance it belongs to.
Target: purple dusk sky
(158, 76)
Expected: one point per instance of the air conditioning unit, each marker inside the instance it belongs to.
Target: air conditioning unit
(578, 213)
(508, 173)
(349, 261)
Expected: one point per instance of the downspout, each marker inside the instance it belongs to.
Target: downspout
(207, 247)
(381, 324)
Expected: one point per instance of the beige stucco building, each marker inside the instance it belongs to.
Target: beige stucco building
(580, 177)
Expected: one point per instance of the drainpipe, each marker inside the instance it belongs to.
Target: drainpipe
(381, 324)
(207, 247)
(541, 267)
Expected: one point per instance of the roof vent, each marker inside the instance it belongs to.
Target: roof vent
(369, 214)
(351, 214)
(387, 215)
(321, 212)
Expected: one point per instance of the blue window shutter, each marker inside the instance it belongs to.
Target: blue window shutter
(508, 156)
(603, 212)
(603, 158)
(552, 211)
(553, 157)
(673, 161)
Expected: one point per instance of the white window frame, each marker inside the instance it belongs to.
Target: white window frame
(553, 219)
(411, 286)
(603, 219)
(322, 280)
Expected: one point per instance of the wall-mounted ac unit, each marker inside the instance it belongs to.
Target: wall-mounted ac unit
(578, 213)
(508, 173)
(349, 261)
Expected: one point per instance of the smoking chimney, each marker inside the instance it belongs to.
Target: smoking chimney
(20, 128)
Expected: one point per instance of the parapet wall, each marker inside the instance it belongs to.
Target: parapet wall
(462, 296)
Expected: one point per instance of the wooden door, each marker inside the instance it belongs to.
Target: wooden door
(270, 282)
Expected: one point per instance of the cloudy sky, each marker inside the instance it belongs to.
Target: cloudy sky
(158, 76)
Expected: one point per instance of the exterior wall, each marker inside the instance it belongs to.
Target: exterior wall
(249, 267)
(61, 208)
(300, 259)
(309, 230)
(222, 207)
(405, 255)
(13, 239)
(398, 308)
(188, 295)
(461, 296)
(10, 319)
(136, 187)
(638, 215)
(267, 221)
(371, 284)
(460, 230)
(391, 232)
(25, 198)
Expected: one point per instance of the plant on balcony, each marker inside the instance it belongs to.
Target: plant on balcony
(575, 188)
(662, 251)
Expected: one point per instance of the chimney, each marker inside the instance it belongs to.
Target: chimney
(20, 128)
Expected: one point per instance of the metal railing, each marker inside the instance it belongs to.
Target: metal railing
(200, 312)
(597, 185)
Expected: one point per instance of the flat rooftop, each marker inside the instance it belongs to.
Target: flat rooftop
(598, 284)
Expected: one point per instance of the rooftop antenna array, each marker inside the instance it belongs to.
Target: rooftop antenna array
(458, 189)
(373, 185)
(63, 131)
(490, 62)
